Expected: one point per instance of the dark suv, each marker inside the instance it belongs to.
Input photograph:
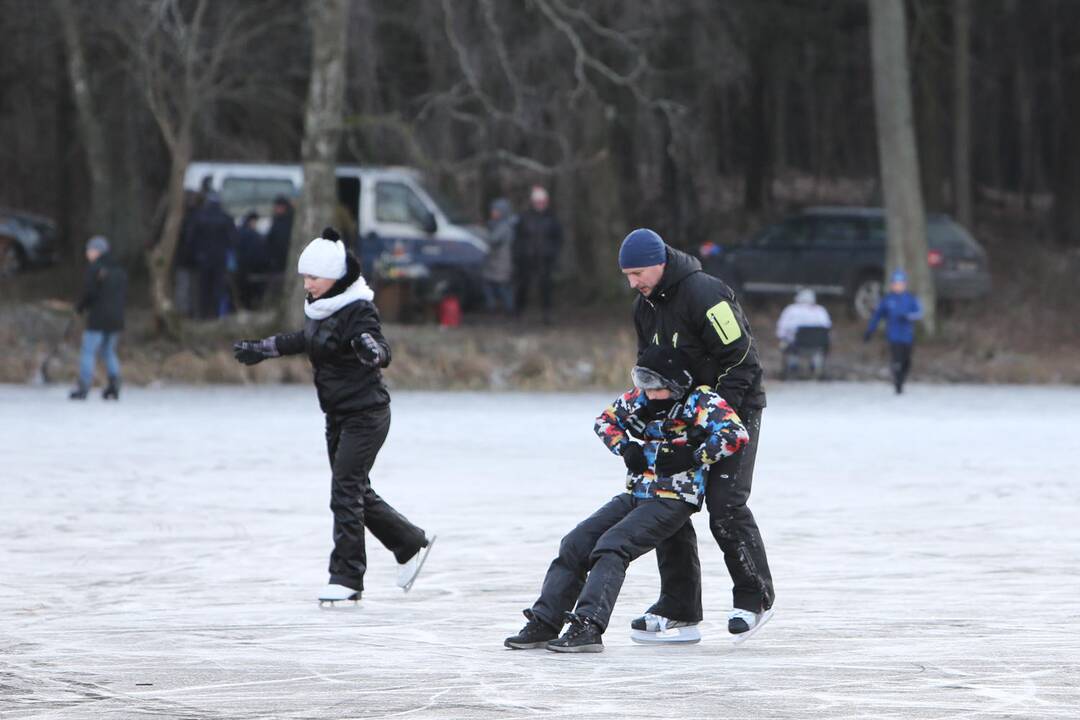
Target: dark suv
(840, 251)
(25, 240)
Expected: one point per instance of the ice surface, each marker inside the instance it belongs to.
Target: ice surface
(160, 558)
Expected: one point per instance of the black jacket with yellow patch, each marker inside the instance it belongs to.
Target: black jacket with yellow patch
(698, 314)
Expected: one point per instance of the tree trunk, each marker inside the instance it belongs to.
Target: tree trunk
(90, 127)
(962, 201)
(905, 216)
(159, 258)
(322, 135)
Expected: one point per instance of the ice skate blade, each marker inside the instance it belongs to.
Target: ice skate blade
(579, 649)
(673, 636)
(333, 602)
(743, 637)
(423, 558)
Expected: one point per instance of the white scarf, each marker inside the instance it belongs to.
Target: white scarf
(325, 307)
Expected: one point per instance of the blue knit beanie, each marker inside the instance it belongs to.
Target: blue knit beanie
(899, 276)
(642, 248)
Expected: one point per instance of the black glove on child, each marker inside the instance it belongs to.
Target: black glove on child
(252, 352)
(675, 459)
(367, 350)
(634, 457)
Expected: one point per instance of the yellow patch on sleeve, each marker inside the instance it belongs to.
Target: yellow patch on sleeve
(723, 321)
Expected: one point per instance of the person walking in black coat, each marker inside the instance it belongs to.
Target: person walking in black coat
(103, 297)
(342, 337)
(280, 235)
(537, 243)
(212, 237)
(679, 304)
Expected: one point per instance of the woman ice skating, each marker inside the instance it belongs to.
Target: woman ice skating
(667, 435)
(343, 339)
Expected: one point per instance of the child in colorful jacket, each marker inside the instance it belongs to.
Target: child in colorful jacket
(667, 435)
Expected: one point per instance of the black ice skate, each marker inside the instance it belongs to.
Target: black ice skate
(333, 593)
(583, 636)
(79, 393)
(743, 624)
(651, 628)
(535, 634)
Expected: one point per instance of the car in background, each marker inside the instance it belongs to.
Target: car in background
(404, 228)
(26, 240)
(840, 252)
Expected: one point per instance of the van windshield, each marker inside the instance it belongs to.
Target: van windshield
(450, 207)
(240, 195)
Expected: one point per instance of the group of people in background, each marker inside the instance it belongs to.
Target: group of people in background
(523, 253)
(221, 266)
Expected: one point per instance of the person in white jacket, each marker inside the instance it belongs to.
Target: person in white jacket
(804, 312)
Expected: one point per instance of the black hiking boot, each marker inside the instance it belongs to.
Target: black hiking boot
(79, 393)
(112, 391)
(535, 634)
(583, 636)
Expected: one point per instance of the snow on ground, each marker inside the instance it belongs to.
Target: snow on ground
(159, 558)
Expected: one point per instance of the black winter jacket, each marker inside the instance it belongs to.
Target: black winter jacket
(538, 236)
(104, 294)
(345, 386)
(698, 313)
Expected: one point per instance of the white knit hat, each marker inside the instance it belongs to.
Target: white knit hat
(323, 258)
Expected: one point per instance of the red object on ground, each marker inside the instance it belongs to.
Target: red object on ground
(450, 311)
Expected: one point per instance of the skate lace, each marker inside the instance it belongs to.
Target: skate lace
(658, 620)
(577, 626)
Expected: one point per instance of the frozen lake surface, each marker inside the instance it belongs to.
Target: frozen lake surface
(159, 558)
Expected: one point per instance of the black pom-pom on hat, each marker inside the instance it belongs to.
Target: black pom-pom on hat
(330, 233)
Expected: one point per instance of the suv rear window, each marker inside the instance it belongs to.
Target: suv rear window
(838, 231)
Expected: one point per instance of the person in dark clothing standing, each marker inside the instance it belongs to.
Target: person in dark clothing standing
(900, 309)
(280, 235)
(678, 304)
(537, 243)
(212, 237)
(343, 339)
(185, 265)
(103, 297)
(250, 261)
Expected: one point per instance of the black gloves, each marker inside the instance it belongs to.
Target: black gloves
(368, 351)
(251, 352)
(675, 459)
(634, 457)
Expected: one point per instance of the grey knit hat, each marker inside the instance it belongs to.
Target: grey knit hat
(99, 243)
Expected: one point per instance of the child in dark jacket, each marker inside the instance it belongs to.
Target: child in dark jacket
(667, 436)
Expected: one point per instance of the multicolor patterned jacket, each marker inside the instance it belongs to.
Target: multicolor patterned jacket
(703, 419)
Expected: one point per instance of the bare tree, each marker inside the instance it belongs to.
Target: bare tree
(323, 119)
(182, 64)
(91, 128)
(962, 111)
(898, 153)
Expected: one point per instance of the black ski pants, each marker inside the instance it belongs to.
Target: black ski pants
(900, 363)
(352, 442)
(540, 271)
(736, 532)
(593, 557)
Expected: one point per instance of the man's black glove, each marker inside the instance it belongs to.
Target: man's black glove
(252, 352)
(675, 459)
(368, 351)
(634, 457)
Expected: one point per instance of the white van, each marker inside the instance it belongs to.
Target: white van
(395, 213)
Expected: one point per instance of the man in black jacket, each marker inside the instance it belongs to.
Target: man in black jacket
(537, 243)
(680, 305)
(103, 297)
(212, 237)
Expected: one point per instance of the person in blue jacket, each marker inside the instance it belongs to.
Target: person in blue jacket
(900, 309)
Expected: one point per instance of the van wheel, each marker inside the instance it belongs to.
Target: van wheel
(11, 259)
(866, 297)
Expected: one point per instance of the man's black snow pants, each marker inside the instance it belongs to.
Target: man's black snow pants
(733, 526)
(593, 557)
(352, 442)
